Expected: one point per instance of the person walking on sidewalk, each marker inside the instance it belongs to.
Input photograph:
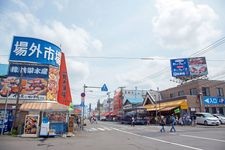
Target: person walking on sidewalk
(173, 122)
(162, 123)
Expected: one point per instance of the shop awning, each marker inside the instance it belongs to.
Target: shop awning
(43, 106)
(166, 106)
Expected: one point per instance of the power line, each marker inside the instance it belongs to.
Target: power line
(201, 51)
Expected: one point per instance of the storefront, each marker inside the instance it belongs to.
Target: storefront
(44, 119)
(166, 108)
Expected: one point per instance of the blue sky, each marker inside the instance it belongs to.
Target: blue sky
(160, 29)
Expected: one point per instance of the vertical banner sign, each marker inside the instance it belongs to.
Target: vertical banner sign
(25, 49)
(53, 84)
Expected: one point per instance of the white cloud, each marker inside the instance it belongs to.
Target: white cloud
(184, 24)
(60, 4)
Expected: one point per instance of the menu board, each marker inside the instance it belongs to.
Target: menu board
(31, 125)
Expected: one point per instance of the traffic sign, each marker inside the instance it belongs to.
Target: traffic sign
(82, 94)
(104, 88)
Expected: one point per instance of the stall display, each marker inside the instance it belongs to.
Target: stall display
(31, 125)
(57, 122)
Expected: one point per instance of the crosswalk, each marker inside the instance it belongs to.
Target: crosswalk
(102, 128)
(93, 129)
(114, 128)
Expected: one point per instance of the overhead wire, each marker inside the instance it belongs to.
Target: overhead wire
(199, 52)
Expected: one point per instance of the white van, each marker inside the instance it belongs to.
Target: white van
(206, 119)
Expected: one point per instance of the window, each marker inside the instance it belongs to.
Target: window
(172, 95)
(180, 93)
(214, 110)
(193, 91)
(221, 110)
(205, 91)
(219, 92)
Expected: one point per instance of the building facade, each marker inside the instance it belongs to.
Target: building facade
(201, 95)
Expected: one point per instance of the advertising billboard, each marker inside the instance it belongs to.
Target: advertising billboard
(26, 49)
(189, 67)
(197, 66)
(179, 67)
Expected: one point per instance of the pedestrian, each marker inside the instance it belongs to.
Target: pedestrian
(173, 122)
(132, 121)
(162, 123)
(193, 120)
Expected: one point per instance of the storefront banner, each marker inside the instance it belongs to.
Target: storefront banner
(26, 49)
(209, 100)
(31, 88)
(31, 71)
(31, 125)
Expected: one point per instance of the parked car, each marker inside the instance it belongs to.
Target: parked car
(140, 121)
(102, 118)
(206, 119)
(126, 120)
(220, 117)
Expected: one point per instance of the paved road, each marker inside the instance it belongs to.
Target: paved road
(113, 136)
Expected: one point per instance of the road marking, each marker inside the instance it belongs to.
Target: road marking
(198, 137)
(101, 129)
(93, 129)
(155, 139)
(107, 128)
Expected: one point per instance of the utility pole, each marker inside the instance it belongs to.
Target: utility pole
(108, 93)
(14, 125)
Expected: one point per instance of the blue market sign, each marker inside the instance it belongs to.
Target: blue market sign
(209, 100)
(25, 49)
(29, 71)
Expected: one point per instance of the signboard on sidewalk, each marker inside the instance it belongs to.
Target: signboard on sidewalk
(31, 125)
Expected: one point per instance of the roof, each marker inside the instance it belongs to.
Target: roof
(134, 100)
(43, 106)
(4, 69)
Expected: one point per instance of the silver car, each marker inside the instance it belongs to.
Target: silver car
(220, 117)
(206, 119)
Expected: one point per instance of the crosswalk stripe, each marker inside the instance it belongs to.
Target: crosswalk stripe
(107, 128)
(101, 129)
